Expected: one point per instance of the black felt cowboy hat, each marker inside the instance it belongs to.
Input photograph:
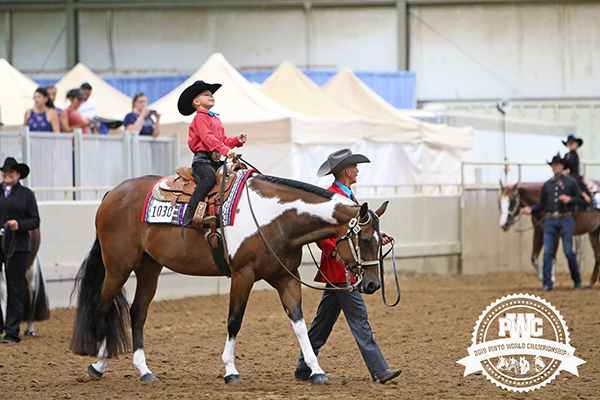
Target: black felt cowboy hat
(21, 168)
(339, 160)
(572, 138)
(189, 94)
(556, 159)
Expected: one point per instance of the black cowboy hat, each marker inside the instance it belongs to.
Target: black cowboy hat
(110, 123)
(572, 138)
(340, 160)
(189, 94)
(21, 168)
(556, 159)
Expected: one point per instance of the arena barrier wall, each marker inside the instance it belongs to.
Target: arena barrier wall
(426, 229)
(488, 249)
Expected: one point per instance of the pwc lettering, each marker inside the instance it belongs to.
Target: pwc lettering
(520, 325)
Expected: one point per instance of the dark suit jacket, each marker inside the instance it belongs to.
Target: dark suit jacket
(21, 206)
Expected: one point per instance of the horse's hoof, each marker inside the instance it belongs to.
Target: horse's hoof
(319, 379)
(148, 377)
(29, 333)
(235, 378)
(93, 373)
(588, 286)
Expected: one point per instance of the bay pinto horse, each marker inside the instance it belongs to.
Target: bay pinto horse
(514, 198)
(290, 213)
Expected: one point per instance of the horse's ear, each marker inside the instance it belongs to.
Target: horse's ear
(501, 185)
(382, 208)
(364, 212)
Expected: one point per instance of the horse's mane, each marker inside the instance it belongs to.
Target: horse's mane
(307, 187)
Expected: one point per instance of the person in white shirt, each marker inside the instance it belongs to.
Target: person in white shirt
(88, 109)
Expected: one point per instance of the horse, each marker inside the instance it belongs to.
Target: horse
(36, 306)
(514, 198)
(275, 218)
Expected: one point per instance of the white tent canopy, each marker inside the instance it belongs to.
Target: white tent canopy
(348, 89)
(111, 102)
(16, 95)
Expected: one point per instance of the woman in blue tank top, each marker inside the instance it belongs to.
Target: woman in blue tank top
(42, 117)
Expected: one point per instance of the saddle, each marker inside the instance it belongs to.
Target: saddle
(179, 188)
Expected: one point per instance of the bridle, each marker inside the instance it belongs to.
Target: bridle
(515, 209)
(352, 238)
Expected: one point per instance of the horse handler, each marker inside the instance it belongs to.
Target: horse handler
(344, 167)
(560, 198)
(18, 215)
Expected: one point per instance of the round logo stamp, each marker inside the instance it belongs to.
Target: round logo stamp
(520, 343)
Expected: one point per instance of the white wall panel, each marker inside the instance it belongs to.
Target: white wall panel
(34, 36)
(93, 40)
(162, 39)
(261, 38)
(519, 51)
(3, 35)
(364, 39)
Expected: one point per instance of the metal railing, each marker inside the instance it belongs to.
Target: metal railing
(84, 165)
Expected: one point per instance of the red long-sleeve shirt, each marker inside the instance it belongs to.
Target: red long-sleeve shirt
(207, 134)
(335, 272)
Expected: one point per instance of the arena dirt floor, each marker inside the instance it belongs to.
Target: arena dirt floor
(424, 335)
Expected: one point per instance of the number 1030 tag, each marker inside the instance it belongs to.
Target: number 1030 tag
(161, 212)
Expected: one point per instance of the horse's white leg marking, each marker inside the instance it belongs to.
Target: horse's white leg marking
(100, 365)
(139, 361)
(504, 204)
(229, 358)
(309, 355)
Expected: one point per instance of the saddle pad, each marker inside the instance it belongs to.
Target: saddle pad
(163, 212)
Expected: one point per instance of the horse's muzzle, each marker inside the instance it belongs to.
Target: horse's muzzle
(370, 287)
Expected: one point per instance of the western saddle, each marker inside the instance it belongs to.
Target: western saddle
(179, 188)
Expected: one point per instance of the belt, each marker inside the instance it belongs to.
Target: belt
(557, 214)
(209, 154)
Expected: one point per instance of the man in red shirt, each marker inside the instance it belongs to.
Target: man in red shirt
(208, 141)
(344, 167)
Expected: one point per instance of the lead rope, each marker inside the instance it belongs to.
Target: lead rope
(382, 274)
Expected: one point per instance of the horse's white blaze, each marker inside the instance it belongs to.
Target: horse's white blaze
(309, 355)
(504, 207)
(267, 209)
(139, 361)
(229, 358)
(100, 365)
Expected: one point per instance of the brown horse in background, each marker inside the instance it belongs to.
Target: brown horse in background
(514, 198)
(290, 214)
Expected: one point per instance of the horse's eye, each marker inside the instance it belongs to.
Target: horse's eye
(365, 241)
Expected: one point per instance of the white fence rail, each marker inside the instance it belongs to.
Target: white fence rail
(75, 166)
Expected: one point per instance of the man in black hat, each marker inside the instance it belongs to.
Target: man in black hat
(208, 141)
(560, 198)
(18, 216)
(343, 164)
(571, 161)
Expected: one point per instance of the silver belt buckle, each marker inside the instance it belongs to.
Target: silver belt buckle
(216, 156)
(556, 214)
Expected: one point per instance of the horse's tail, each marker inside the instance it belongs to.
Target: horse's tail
(86, 332)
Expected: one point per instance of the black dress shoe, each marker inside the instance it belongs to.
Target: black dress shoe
(387, 375)
(302, 374)
(546, 288)
(577, 286)
(9, 340)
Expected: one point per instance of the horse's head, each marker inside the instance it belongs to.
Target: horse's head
(510, 205)
(359, 248)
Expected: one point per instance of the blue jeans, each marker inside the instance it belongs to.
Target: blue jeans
(565, 227)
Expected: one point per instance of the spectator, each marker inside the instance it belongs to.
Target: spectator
(51, 89)
(18, 215)
(140, 119)
(70, 117)
(42, 117)
(88, 108)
